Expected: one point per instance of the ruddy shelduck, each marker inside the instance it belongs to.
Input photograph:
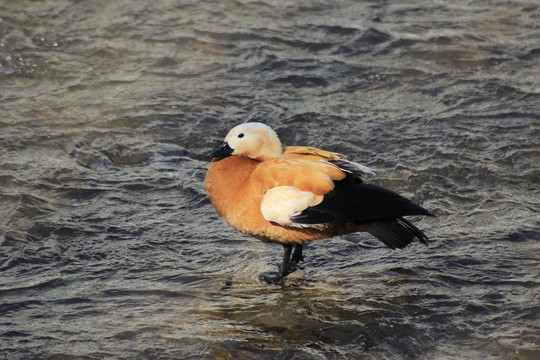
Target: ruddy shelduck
(297, 194)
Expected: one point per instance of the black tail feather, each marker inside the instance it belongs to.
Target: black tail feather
(395, 233)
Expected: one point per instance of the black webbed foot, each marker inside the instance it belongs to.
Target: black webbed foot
(272, 278)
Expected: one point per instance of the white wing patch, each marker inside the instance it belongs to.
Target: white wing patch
(282, 202)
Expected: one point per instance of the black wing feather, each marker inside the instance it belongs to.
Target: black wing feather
(377, 210)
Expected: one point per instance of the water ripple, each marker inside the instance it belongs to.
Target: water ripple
(110, 248)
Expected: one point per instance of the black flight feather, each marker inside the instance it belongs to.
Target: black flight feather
(377, 210)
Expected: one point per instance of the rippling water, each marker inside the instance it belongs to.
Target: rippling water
(109, 248)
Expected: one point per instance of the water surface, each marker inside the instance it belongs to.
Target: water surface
(110, 249)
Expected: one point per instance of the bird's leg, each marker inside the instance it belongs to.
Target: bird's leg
(296, 257)
(285, 265)
(285, 269)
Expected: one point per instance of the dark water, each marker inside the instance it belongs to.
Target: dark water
(109, 248)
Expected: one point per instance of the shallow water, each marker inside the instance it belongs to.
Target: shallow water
(109, 248)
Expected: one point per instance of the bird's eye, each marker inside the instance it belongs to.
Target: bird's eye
(241, 135)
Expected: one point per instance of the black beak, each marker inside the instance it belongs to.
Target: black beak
(223, 150)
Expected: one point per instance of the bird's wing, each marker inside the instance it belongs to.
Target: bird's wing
(318, 155)
(376, 210)
(313, 176)
(291, 186)
(352, 201)
(318, 195)
(309, 153)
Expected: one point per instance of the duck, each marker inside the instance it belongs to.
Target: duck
(296, 194)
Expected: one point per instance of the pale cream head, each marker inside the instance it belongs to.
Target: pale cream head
(254, 140)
